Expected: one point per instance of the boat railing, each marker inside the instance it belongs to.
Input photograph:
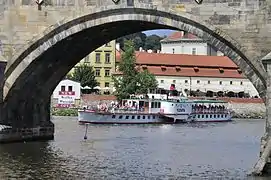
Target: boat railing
(225, 111)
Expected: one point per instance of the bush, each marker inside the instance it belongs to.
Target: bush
(64, 112)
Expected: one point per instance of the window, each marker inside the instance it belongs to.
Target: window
(173, 50)
(107, 58)
(120, 117)
(62, 88)
(70, 88)
(98, 58)
(198, 81)
(143, 117)
(106, 84)
(194, 51)
(174, 81)
(97, 72)
(209, 82)
(113, 116)
(241, 83)
(127, 117)
(230, 82)
(186, 81)
(138, 117)
(162, 81)
(86, 60)
(107, 72)
(220, 82)
(133, 117)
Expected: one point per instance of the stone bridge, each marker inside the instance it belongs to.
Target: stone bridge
(42, 43)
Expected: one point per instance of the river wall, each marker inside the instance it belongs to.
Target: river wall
(247, 110)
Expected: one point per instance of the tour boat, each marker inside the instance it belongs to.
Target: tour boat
(157, 109)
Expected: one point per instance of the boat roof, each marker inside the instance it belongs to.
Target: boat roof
(182, 100)
(209, 101)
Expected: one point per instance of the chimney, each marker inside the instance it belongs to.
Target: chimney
(118, 46)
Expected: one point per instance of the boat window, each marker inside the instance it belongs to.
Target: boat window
(138, 117)
(198, 116)
(214, 116)
(133, 117)
(207, 116)
(143, 117)
(149, 117)
(172, 104)
(113, 116)
(127, 117)
(153, 117)
(218, 116)
(159, 104)
(211, 116)
(202, 116)
(120, 117)
(152, 104)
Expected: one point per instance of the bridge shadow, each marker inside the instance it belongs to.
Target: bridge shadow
(30, 160)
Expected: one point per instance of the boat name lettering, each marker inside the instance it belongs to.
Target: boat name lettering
(180, 110)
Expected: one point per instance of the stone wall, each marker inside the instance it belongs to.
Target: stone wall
(247, 110)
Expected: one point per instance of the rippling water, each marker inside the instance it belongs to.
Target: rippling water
(202, 151)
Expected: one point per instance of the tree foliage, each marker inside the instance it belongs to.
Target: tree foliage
(142, 40)
(85, 75)
(132, 81)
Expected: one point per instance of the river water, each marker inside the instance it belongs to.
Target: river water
(195, 151)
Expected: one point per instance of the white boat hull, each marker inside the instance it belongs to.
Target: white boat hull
(85, 116)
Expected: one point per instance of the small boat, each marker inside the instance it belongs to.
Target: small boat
(157, 109)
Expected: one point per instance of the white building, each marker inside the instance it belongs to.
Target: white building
(67, 93)
(213, 74)
(180, 42)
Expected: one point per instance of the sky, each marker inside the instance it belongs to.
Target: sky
(159, 32)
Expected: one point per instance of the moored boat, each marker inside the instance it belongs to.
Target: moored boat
(156, 109)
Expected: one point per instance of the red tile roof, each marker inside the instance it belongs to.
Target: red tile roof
(182, 60)
(187, 65)
(179, 35)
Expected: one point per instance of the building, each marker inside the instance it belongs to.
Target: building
(102, 60)
(180, 42)
(213, 75)
(67, 94)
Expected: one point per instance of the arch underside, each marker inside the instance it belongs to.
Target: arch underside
(32, 76)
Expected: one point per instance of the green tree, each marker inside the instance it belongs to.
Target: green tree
(146, 81)
(153, 42)
(85, 75)
(132, 81)
(138, 39)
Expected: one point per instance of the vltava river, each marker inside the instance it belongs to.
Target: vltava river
(202, 151)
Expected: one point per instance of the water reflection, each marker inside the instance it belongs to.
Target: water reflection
(190, 151)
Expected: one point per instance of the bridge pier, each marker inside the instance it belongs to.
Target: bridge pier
(263, 166)
(9, 134)
(30, 121)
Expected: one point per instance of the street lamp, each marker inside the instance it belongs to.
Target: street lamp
(199, 1)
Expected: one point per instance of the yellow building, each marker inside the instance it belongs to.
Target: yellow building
(103, 62)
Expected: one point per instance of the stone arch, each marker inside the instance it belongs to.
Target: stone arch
(48, 57)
